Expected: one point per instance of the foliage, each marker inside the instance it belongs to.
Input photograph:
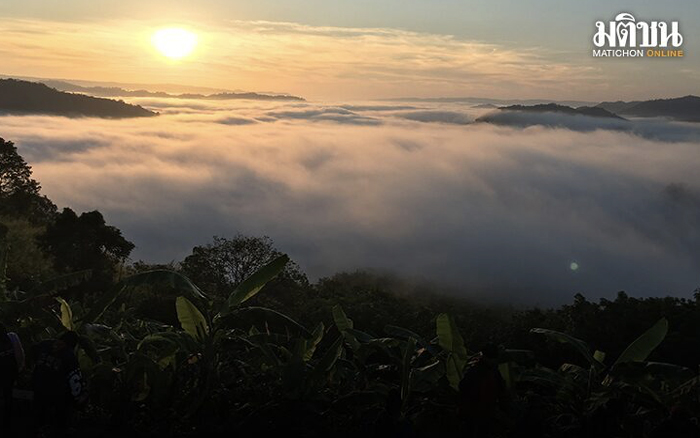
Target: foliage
(86, 242)
(19, 192)
(27, 264)
(3, 261)
(451, 341)
(223, 264)
(609, 325)
(226, 365)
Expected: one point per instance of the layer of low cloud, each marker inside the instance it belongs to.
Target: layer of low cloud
(651, 128)
(487, 209)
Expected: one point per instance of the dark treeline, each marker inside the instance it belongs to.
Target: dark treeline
(23, 97)
(192, 347)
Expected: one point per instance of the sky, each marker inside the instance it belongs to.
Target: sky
(339, 49)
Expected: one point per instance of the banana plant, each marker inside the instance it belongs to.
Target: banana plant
(210, 327)
(402, 360)
(457, 358)
(159, 278)
(45, 309)
(637, 351)
(452, 343)
(41, 312)
(297, 358)
(581, 391)
(146, 363)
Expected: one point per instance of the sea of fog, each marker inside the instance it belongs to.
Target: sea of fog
(523, 214)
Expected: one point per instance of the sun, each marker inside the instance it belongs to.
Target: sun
(174, 43)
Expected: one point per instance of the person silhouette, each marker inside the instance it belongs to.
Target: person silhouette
(58, 382)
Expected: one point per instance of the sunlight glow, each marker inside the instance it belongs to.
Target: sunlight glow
(174, 43)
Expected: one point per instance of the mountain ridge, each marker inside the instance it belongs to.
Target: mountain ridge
(122, 92)
(686, 108)
(25, 97)
(591, 111)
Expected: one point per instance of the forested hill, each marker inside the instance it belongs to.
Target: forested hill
(23, 97)
(562, 109)
(685, 108)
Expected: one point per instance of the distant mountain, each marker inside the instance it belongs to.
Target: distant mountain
(485, 106)
(25, 97)
(554, 108)
(121, 92)
(497, 102)
(618, 107)
(685, 109)
(252, 96)
(67, 84)
(551, 115)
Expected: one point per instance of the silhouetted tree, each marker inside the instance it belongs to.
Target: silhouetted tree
(19, 192)
(86, 242)
(220, 266)
(27, 264)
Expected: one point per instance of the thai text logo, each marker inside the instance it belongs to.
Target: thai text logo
(626, 37)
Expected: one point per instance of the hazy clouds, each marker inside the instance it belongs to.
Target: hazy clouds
(411, 188)
(652, 128)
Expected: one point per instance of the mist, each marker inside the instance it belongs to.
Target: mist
(503, 212)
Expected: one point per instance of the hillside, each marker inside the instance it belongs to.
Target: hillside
(23, 97)
(562, 109)
(584, 118)
(685, 108)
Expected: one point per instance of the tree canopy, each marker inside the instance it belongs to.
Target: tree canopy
(19, 192)
(220, 266)
(85, 242)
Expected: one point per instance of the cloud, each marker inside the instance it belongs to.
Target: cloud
(453, 117)
(379, 107)
(655, 129)
(338, 115)
(493, 210)
(235, 121)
